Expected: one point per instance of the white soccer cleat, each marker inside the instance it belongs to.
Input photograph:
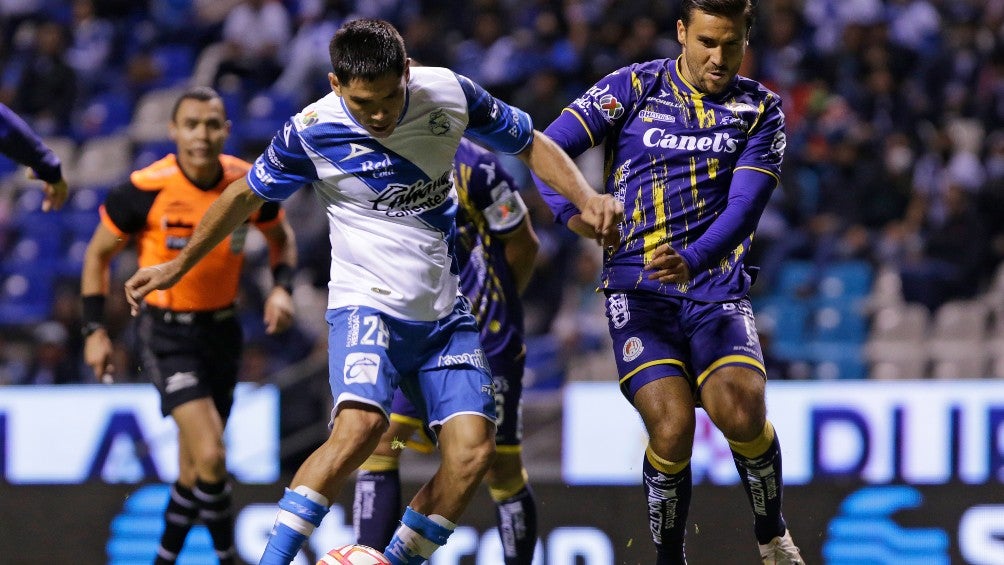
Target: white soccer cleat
(781, 551)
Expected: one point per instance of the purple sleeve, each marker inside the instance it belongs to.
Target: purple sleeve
(585, 123)
(748, 196)
(22, 145)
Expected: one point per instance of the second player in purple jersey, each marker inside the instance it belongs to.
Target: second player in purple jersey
(693, 152)
(496, 248)
(692, 170)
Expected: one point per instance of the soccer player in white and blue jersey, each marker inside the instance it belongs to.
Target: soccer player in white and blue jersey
(693, 152)
(379, 151)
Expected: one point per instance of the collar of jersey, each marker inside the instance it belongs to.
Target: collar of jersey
(404, 111)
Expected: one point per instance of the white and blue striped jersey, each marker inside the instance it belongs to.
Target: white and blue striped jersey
(390, 202)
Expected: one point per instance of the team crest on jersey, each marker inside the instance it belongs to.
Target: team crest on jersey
(617, 309)
(632, 348)
(439, 122)
(611, 107)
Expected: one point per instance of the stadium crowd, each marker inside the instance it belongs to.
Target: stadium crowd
(895, 159)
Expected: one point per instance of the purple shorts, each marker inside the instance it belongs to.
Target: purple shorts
(658, 336)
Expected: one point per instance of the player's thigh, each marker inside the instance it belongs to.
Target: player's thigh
(200, 428)
(734, 398)
(454, 378)
(359, 365)
(666, 407)
(648, 342)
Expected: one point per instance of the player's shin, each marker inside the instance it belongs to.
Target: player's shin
(667, 489)
(377, 502)
(182, 509)
(215, 512)
(300, 512)
(759, 465)
(516, 511)
(418, 537)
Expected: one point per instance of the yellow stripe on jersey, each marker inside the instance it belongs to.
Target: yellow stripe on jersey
(758, 169)
(706, 118)
(657, 233)
(674, 362)
(728, 360)
(592, 141)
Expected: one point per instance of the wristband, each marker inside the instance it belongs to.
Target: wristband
(94, 309)
(282, 275)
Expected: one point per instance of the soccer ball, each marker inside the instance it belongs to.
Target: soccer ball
(353, 554)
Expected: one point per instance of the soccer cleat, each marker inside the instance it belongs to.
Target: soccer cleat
(781, 551)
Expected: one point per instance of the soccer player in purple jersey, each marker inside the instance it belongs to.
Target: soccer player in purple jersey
(496, 248)
(693, 152)
(21, 144)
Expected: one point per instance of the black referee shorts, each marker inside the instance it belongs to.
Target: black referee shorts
(191, 355)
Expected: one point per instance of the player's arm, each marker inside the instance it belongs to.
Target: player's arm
(94, 283)
(521, 246)
(282, 255)
(510, 130)
(226, 213)
(599, 213)
(21, 144)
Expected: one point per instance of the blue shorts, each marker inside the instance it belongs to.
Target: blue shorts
(507, 378)
(657, 336)
(439, 365)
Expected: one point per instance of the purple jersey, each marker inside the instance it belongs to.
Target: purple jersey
(692, 170)
(489, 207)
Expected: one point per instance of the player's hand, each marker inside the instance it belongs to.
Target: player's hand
(98, 356)
(668, 266)
(603, 212)
(278, 311)
(149, 279)
(55, 193)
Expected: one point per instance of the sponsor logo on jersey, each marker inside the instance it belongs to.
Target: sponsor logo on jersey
(260, 173)
(309, 118)
(361, 368)
(179, 380)
(632, 348)
(489, 169)
(378, 169)
(476, 359)
(399, 200)
(611, 107)
(617, 309)
(356, 150)
(272, 157)
(439, 122)
(650, 116)
(286, 129)
(778, 145)
(738, 122)
(740, 107)
(720, 142)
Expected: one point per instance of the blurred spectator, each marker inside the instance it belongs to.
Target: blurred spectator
(51, 361)
(254, 35)
(489, 57)
(308, 62)
(954, 249)
(40, 85)
(91, 46)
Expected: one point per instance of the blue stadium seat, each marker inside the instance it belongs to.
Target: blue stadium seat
(25, 293)
(846, 278)
(841, 323)
(175, 63)
(832, 361)
(264, 115)
(105, 114)
(793, 276)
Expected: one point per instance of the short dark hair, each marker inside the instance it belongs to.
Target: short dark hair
(367, 49)
(200, 93)
(729, 8)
